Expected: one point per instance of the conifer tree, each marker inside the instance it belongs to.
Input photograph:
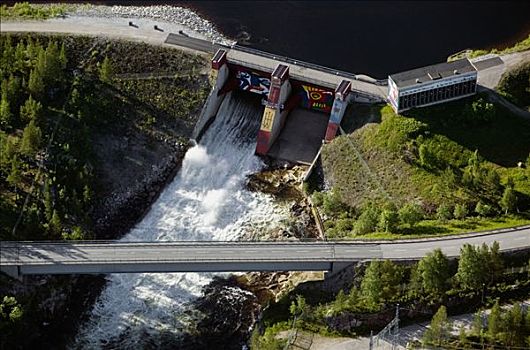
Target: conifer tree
(439, 329)
(31, 139)
(31, 110)
(106, 71)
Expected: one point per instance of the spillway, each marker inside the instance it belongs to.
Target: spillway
(207, 200)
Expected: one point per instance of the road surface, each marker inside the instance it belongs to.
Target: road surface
(19, 258)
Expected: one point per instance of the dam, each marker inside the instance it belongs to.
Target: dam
(303, 104)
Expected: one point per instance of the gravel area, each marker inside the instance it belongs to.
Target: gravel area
(170, 14)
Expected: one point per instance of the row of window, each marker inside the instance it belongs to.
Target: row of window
(438, 94)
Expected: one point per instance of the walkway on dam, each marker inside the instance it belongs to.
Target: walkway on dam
(21, 258)
(119, 28)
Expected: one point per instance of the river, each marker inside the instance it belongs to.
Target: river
(207, 200)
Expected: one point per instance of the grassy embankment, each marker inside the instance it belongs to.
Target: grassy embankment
(522, 45)
(27, 11)
(81, 118)
(433, 171)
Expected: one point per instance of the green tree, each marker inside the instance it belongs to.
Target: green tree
(106, 71)
(63, 60)
(471, 268)
(48, 200)
(55, 226)
(410, 214)
(10, 310)
(514, 327)
(298, 306)
(31, 139)
(31, 110)
(15, 176)
(462, 338)
(36, 84)
(367, 221)
(6, 117)
(372, 286)
(460, 211)
(388, 220)
(477, 326)
(509, 200)
(76, 234)
(494, 261)
(381, 283)
(9, 149)
(435, 272)
(483, 209)
(439, 329)
(494, 322)
(444, 212)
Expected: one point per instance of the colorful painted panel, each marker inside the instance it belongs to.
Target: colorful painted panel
(250, 81)
(316, 98)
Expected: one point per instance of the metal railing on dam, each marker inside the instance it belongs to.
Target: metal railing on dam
(95, 257)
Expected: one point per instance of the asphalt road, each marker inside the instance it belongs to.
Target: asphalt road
(106, 257)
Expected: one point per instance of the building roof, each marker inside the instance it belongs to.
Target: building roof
(418, 76)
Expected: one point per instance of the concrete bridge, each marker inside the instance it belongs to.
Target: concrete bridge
(99, 257)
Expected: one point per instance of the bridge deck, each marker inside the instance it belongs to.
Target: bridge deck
(19, 258)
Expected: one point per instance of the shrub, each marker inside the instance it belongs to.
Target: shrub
(483, 209)
(410, 214)
(460, 211)
(444, 212)
(388, 220)
(367, 221)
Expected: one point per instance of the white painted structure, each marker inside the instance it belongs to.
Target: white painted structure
(431, 85)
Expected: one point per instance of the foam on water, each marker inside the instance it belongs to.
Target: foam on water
(207, 200)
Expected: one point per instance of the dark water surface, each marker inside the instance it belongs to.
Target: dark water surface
(371, 37)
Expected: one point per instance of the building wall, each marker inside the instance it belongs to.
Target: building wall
(432, 93)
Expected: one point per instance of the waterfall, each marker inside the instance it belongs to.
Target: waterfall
(207, 200)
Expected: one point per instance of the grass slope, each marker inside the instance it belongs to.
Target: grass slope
(395, 172)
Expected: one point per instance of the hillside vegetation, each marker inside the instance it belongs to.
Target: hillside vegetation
(519, 46)
(480, 277)
(82, 122)
(436, 170)
(63, 101)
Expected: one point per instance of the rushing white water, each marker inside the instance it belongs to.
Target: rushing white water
(207, 200)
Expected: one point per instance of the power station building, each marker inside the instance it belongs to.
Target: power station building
(432, 84)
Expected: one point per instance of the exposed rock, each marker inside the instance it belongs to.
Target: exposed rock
(171, 14)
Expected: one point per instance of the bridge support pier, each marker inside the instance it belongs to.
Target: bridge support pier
(336, 267)
(337, 111)
(274, 114)
(12, 271)
(219, 74)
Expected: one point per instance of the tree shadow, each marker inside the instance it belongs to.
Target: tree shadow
(503, 139)
(423, 230)
(358, 114)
